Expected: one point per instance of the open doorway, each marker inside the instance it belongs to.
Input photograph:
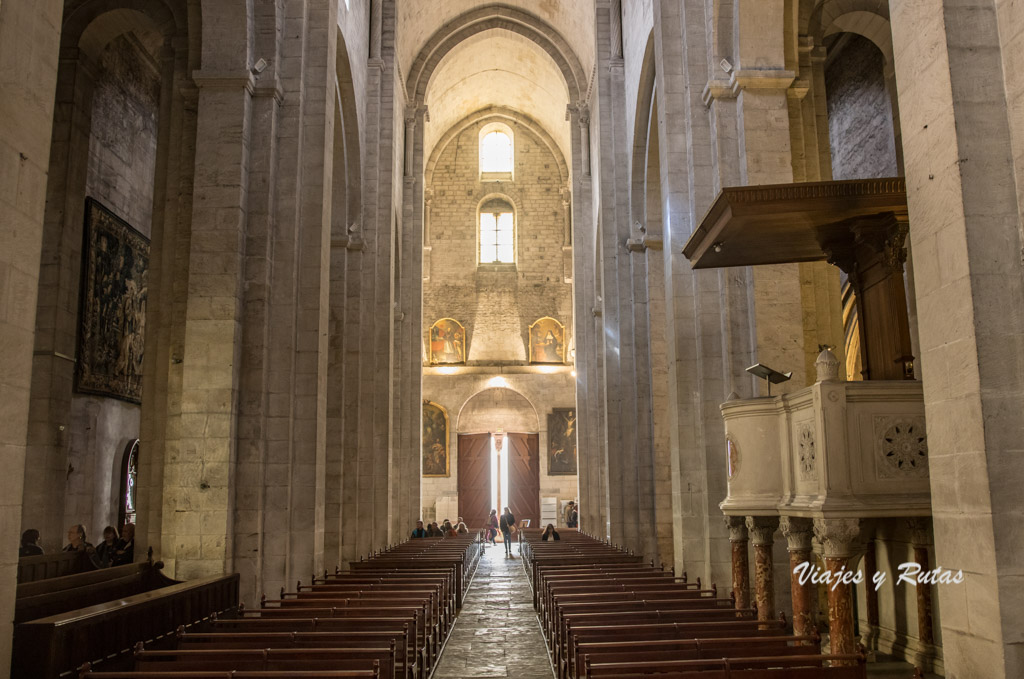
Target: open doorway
(496, 471)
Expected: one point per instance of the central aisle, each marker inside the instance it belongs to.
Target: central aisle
(496, 634)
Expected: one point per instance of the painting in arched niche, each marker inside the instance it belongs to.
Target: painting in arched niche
(547, 341)
(447, 342)
(436, 461)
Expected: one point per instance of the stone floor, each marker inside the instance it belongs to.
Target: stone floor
(497, 634)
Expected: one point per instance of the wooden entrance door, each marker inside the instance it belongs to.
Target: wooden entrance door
(475, 479)
(524, 477)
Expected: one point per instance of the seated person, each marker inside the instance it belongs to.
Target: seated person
(462, 528)
(125, 552)
(433, 531)
(419, 532)
(78, 543)
(550, 533)
(28, 543)
(105, 552)
(448, 529)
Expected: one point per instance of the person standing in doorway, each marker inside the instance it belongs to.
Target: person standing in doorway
(508, 526)
(492, 527)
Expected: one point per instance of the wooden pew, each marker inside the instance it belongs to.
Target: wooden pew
(610, 617)
(46, 647)
(268, 659)
(42, 598)
(45, 566)
(775, 667)
(221, 674)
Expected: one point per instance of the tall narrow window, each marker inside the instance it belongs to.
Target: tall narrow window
(496, 152)
(497, 233)
(128, 507)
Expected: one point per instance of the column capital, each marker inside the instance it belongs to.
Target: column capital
(919, 533)
(799, 532)
(839, 538)
(762, 529)
(737, 526)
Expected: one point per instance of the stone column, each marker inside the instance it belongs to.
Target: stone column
(840, 539)
(762, 533)
(921, 540)
(956, 85)
(798, 534)
(26, 108)
(737, 526)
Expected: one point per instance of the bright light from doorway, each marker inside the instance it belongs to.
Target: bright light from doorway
(499, 474)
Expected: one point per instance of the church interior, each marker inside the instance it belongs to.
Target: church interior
(728, 292)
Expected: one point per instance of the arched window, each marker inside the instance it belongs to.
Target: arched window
(496, 150)
(497, 233)
(128, 507)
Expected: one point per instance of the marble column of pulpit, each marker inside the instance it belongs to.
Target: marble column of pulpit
(762, 532)
(841, 545)
(799, 532)
(740, 564)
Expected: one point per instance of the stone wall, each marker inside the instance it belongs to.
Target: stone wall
(497, 304)
(859, 112)
(121, 166)
(514, 400)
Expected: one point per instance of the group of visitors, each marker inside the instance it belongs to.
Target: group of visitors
(506, 523)
(115, 550)
(445, 530)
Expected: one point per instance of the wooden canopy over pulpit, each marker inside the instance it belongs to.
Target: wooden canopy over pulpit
(859, 225)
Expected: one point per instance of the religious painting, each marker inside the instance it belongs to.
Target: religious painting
(547, 341)
(447, 342)
(113, 319)
(435, 440)
(562, 442)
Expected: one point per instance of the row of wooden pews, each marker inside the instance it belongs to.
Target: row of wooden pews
(386, 618)
(64, 621)
(606, 614)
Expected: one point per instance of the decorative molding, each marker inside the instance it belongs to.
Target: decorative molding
(716, 89)
(224, 80)
(901, 446)
(757, 79)
(806, 453)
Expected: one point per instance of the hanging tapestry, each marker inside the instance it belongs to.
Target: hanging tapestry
(113, 319)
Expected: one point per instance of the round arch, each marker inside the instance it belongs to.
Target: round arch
(487, 18)
(498, 407)
(486, 116)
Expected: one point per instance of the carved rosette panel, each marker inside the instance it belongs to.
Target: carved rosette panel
(806, 453)
(901, 446)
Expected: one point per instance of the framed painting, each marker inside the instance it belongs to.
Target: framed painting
(112, 326)
(547, 341)
(436, 460)
(447, 342)
(562, 442)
